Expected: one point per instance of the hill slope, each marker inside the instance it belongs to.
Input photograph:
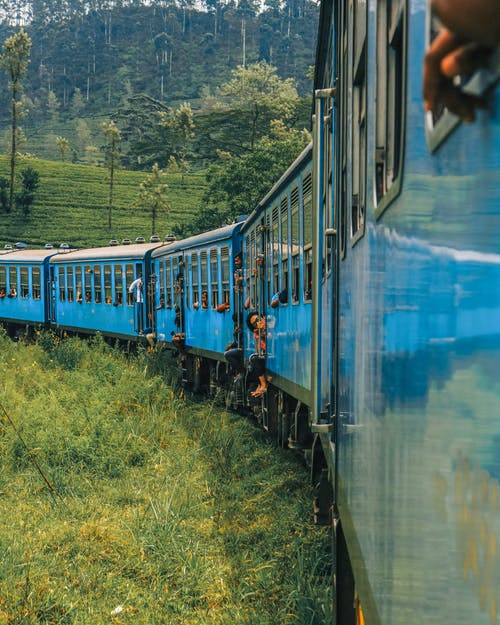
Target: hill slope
(72, 205)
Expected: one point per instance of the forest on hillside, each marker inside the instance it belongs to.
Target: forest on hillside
(103, 51)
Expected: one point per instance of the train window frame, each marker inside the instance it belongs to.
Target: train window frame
(129, 278)
(118, 284)
(78, 283)
(24, 282)
(359, 139)
(108, 284)
(391, 37)
(70, 283)
(275, 245)
(195, 280)
(87, 284)
(285, 246)
(3, 278)
(36, 283)
(168, 283)
(225, 275)
(97, 285)
(13, 281)
(214, 277)
(204, 276)
(295, 242)
(307, 260)
(61, 276)
(187, 280)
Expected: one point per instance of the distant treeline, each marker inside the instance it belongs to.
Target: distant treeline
(90, 55)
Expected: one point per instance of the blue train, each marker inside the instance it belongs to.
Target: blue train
(364, 289)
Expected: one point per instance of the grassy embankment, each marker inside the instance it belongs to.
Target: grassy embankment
(161, 511)
(72, 205)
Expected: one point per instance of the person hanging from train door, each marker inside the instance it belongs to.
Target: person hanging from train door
(136, 289)
(470, 31)
(257, 361)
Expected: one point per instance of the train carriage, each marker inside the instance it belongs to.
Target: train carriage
(277, 256)
(408, 428)
(90, 290)
(195, 297)
(23, 281)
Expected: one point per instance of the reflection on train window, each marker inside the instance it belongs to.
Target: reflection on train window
(3, 279)
(204, 278)
(195, 280)
(358, 202)
(390, 95)
(78, 281)
(70, 284)
(25, 288)
(97, 284)
(36, 282)
(87, 284)
(129, 278)
(225, 275)
(62, 286)
(118, 285)
(108, 289)
(307, 228)
(214, 277)
(284, 243)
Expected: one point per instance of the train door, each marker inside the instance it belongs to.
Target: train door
(178, 268)
(150, 302)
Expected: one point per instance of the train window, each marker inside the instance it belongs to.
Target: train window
(12, 281)
(226, 293)
(295, 233)
(108, 288)
(78, 281)
(118, 285)
(129, 278)
(87, 276)
(284, 243)
(307, 229)
(70, 284)
(24, 282)
(275, 250)
(358, 201)
(187, 278)
(161, 271)
(204, 279)
(62, 285)
(97, 284)
(195, 279)
(36, 282)
(248, 264)
(214, 277)
(168, 283)
(390, 65)
(3, 279)
(268, 268)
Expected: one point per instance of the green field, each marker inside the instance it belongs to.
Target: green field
(124, 502)
(72, 205)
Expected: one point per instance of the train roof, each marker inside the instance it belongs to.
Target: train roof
(198, 240)
(109, 252)
(25, 255)
(303, 159)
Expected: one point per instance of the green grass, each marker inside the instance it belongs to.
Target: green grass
(72, 205)
(160, 510)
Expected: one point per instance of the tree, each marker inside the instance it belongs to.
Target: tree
(30, 180)
(112, 152)
(237, 184)
(152, 195)
(14, 61)
(63, 145)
